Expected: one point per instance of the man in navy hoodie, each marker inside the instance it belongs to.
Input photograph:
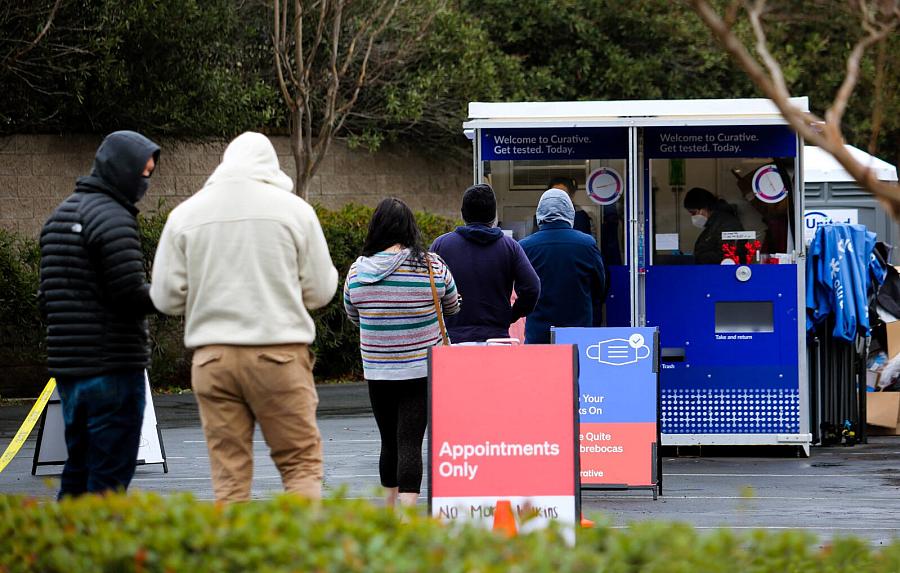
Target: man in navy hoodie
(486, 265)
(570, 267)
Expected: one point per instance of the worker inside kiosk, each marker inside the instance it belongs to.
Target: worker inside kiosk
(713, 216)
(735, 211)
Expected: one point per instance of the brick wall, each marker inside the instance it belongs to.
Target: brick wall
(39, 171)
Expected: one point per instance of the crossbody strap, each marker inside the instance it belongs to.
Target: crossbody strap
(437, 303)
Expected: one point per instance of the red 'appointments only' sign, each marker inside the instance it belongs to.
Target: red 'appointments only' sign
(503, 426)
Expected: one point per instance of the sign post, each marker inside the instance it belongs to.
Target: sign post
(51, 450)
(503, 427)
(618, 406)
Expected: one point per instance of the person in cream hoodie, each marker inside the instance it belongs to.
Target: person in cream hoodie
(245, 260)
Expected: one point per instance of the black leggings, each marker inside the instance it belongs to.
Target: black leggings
(401, 412)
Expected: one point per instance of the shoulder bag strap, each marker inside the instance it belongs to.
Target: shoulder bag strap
(437, 303)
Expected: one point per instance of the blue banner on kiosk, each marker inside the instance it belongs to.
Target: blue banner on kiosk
(720, 141)
(555, 143)
(617, 404)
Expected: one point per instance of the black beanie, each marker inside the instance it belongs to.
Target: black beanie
(699, 198)
(479, 204)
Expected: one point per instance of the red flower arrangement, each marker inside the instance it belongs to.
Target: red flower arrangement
(729, 251)
(752, 249)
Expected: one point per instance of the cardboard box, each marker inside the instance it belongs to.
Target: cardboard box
(883, 413)
(892, 334)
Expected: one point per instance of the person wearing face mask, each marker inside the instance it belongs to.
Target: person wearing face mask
(95, 298)
(714, 216)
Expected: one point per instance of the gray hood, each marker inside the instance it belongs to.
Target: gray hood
(375, 268)
(555, 205)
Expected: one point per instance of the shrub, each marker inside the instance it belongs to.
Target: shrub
(149, 533)
(21, 328)
(22, 336)
(22, 344)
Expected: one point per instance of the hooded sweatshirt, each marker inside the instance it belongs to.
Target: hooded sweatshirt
(570, 267)
(244, 259)
(388, 295)
(94, 290)
(487, 266)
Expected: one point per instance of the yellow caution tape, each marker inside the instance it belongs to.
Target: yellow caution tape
(27, 425)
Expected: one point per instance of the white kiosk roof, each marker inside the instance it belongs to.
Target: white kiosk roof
(631, 112)
(819, 166)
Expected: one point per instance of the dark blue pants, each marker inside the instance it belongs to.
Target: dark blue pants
(103, 417)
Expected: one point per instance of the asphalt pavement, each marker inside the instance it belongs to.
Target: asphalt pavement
(836, 491)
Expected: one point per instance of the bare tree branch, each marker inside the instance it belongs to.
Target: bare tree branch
(317, 40)
(836, 113)
(762, 46)
(826, 135)
(277, 41)
(327, 52)
(878, 105)
(16, 56)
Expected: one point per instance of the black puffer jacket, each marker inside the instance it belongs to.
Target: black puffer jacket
(708, 247)
(94, 290)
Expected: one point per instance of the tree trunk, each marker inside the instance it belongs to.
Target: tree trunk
(301, 159)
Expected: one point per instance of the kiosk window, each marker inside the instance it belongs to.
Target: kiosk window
(744, 317)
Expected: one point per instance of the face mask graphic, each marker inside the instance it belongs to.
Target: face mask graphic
(619, 351)
(698, 221)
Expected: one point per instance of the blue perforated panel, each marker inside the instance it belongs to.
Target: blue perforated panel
(704, 411)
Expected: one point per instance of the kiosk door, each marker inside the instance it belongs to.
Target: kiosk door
(721, 283)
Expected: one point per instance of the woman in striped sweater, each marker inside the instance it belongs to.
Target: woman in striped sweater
(388, 295)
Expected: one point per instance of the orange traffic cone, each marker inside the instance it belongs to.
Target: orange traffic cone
(504, 520)
(586, 523)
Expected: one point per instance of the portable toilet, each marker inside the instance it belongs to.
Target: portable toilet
(833, 196)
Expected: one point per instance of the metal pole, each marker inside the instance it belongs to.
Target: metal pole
(816, 391)
(863, 392)
(633, 221)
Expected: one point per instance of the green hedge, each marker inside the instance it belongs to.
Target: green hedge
(21, 329)
(337, 341)
(148, 533)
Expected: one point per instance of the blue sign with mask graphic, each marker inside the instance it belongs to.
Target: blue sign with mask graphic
(617, 372)
(617, 413)
(720, 141)
(554, 143)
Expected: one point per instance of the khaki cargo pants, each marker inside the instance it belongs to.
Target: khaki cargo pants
(237, 386)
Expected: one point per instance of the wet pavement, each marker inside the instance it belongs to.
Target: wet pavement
(836, 491)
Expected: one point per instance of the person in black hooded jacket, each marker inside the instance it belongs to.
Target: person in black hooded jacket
(714, 216)
(486, 266)
(95, 298)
